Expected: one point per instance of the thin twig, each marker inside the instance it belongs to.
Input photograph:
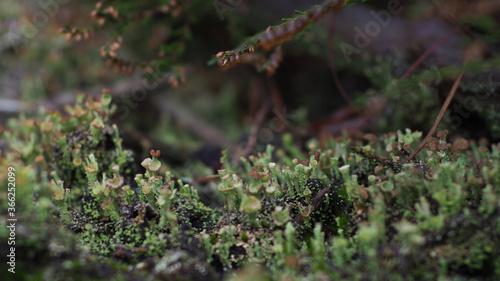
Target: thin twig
(336, 79)
(254, 96)
(331, 60)
(257, 123)
(428, 52)
(315, 204)
(279, 110)
(134, 249)
(198, 126)
(440, 115)
(276, 96)
(207, 179)
(412, 68)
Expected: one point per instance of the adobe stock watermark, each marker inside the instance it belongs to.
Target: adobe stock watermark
(11, 219)
(222, 6)
(363, 37)
(29, 28)
(470, 103)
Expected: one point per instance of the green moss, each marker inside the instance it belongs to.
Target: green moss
(346, 212)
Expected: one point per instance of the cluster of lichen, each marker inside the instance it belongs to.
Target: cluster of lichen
(344, 211)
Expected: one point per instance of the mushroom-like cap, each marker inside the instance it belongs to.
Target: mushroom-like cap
(57, 189)
(307, 192)
(91, 166)
(225, 187)
(228, 184)
(250, 204)
(146, 162)
(271, 188)
(254, 187)
(115, 182)
(147, 187)
(154, 165)
(344, 169)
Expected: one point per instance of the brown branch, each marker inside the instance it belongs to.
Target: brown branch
(196, 124)
(315, 204)
(440, 115)
(287, 31)
(413, 67)
(276, 96)
(252, 139)
(331, 61)
(428, 52)
(207, 179)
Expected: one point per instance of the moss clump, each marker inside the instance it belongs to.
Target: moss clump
(353, 209)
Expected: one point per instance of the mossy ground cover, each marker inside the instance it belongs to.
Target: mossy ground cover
(251, 140)
(346, 208)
